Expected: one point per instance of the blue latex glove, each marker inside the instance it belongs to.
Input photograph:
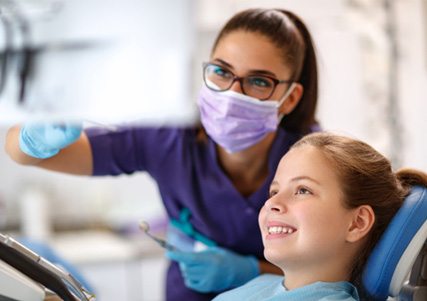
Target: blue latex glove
(46, 140)
(215, 269)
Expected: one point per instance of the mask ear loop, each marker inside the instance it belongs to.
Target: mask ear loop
(283, 99)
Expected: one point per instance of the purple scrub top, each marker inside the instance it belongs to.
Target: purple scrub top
(188, 176)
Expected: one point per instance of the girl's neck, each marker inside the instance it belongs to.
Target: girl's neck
(296, 279)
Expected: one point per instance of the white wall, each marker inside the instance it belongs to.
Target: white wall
(413, 80)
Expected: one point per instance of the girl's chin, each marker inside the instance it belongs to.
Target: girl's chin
(275, 257)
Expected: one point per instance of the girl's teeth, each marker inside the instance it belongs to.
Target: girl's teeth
(280, 230)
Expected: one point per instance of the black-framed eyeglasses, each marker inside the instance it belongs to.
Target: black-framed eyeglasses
(219, 78)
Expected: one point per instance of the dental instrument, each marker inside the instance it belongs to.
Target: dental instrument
(144, 226)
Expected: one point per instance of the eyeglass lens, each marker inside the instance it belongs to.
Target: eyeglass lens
(220, 79)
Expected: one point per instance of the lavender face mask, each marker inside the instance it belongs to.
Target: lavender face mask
(236, 121)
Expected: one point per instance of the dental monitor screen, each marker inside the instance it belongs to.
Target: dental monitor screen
(101, 60)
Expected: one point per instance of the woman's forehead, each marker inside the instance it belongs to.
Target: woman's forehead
(245, 51)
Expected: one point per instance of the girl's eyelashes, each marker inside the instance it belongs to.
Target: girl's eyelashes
(299, 190)
(302, 190)
(272, 193)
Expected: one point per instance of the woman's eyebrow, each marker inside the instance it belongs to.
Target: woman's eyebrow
(252, 71)
(262, 72)
(222, 62)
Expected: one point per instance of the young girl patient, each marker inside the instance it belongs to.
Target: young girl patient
(330, 201)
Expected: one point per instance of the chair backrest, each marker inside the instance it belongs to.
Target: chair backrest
(402, 248)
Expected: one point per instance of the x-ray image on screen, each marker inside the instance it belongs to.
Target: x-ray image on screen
(103, 60)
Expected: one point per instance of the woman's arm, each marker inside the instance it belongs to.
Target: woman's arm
(74, 159)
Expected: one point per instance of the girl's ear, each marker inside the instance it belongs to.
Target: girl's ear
(363, 220)
(292, 101)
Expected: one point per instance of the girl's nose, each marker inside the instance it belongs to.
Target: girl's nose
(273, 204)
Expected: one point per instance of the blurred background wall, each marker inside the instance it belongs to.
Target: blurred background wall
(373, 85)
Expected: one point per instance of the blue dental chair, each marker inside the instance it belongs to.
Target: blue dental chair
(397, 267)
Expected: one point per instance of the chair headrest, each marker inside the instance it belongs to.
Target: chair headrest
(392, 258)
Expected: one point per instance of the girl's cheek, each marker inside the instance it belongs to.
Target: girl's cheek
(261, 216)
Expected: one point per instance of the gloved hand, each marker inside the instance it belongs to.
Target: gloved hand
(215, 269)
(45, 140)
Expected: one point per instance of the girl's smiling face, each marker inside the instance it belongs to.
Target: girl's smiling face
(304, 223)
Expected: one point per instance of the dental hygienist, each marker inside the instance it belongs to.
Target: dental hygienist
(259, 97)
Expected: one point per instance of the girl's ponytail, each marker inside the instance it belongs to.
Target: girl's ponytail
(411, 177)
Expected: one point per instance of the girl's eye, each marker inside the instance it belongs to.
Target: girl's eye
(302, 190)
(272, 193)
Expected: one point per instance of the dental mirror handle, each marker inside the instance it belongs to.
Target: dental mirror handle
(163, 243)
